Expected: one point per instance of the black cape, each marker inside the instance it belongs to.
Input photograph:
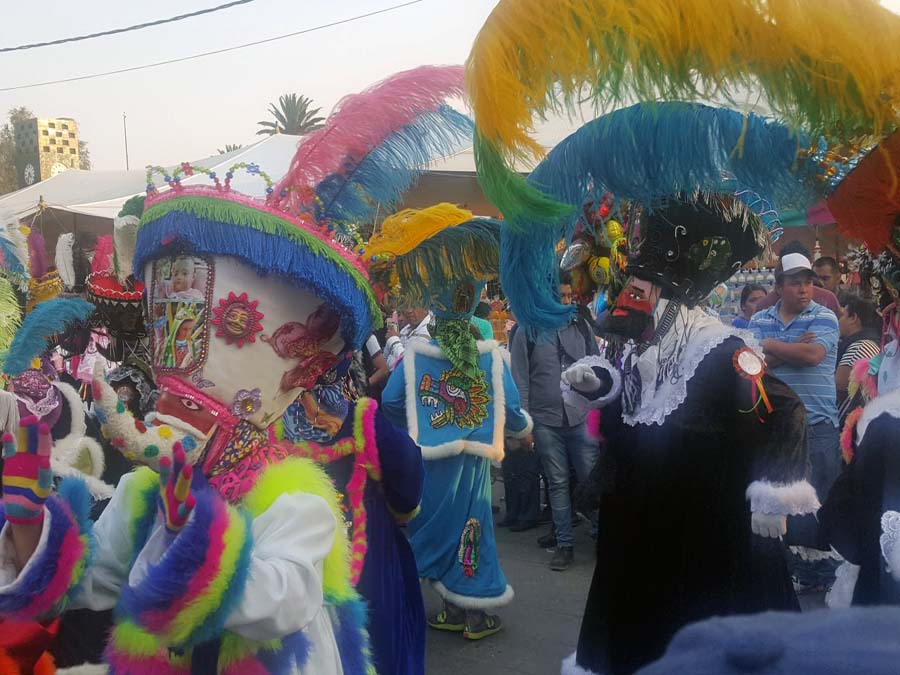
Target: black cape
(675, 543)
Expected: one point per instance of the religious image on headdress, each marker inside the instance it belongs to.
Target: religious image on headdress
(178, 312)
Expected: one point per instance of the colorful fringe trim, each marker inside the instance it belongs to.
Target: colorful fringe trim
(848, 447)
(268, 242)
(48, 585)
(366, 465)
(186, 597)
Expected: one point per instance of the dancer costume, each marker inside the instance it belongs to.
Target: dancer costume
(455, 395)
(532, 57)
(861, 516)
(377, 468)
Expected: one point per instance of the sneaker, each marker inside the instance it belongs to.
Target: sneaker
(523, 526)
(450, 618)
(562, 559)
(548, 540)
(480, 625)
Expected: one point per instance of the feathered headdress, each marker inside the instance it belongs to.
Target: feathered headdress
(10, 314)
(430, 251)
(14, 253)
(367, 153)
(47, 320)
(821, 66)
(642, 156)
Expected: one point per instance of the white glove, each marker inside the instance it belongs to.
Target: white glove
(766, 525)
(582, 378)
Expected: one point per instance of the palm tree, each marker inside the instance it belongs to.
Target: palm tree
(229, 147)
(292, 116)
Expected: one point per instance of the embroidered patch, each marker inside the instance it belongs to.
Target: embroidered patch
(237, 319)
(457, 400)
(469, 544)
(306, 341)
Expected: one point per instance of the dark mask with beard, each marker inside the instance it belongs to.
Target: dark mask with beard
(630, 319)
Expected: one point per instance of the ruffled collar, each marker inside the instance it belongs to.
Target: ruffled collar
(655, 378)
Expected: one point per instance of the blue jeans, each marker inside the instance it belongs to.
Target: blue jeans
(558, 447)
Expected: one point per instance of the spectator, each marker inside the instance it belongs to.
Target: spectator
(820, 296)
(376, 367)
(860, 328)
(799, 338)
(750, 297)
(416, 325)
(559, 431)
(829, 273)
(480, 321)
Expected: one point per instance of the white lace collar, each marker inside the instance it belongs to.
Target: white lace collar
(695, 334)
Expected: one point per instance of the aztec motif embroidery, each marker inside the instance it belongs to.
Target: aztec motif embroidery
(237, 319)
(457, 400)
(469, 545)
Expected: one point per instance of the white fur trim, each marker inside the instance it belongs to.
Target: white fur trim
(579, 401)
(570, 667)
(794, 499)
(468, 602)
(888, 403)
(890, 542)
(452, 448)
(85, 669)
(529, 427)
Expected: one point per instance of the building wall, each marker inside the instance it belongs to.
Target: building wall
(47, 145)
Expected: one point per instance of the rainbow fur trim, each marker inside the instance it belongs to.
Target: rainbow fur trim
(268, 240)
(185, 597)
(863, 379)
(349, 611)
(53, 577)
(848, 448)
(366, 465)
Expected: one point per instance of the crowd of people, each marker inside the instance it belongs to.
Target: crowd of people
(239, 432)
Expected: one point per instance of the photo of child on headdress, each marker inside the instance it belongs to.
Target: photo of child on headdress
(181, 278)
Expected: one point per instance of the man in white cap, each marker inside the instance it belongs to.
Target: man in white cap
(799, 338)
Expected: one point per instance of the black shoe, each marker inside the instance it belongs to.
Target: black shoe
(562, 559)
(548, 540)
(523, 526)
(507, 522)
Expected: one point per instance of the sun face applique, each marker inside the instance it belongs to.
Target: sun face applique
(237, 320)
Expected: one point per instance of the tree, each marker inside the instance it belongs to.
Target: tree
(229, 147)
(8, 179)
(292, 116)
(84, 156)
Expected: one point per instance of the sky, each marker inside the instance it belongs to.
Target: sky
(187, 110)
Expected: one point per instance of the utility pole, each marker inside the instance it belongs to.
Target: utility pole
(125, 130)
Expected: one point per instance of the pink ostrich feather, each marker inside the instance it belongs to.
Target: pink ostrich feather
(362, 121)
(103, 255)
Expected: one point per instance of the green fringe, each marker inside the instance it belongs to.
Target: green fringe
(211, 208)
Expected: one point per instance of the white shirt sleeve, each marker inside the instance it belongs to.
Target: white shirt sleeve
(372, 345)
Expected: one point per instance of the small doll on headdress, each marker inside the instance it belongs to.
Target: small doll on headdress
(180, 284)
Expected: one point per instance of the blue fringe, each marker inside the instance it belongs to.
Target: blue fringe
(179, 232)
(379, 179)
(351, 635)
(46, 320)
(643, 154)
(36, 579)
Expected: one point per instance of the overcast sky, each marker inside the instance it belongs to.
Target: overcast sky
(188, 110)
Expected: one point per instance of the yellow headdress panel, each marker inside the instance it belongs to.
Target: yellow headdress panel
(403, 231)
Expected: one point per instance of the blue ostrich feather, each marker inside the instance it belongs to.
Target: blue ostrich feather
(46, 320)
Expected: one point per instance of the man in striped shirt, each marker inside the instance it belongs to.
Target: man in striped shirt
(799, 338)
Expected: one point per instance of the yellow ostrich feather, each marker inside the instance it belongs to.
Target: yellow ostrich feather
(820, 64)
(403, 231)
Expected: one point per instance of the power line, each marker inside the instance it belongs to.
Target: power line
(212, 53)
(116, 31)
